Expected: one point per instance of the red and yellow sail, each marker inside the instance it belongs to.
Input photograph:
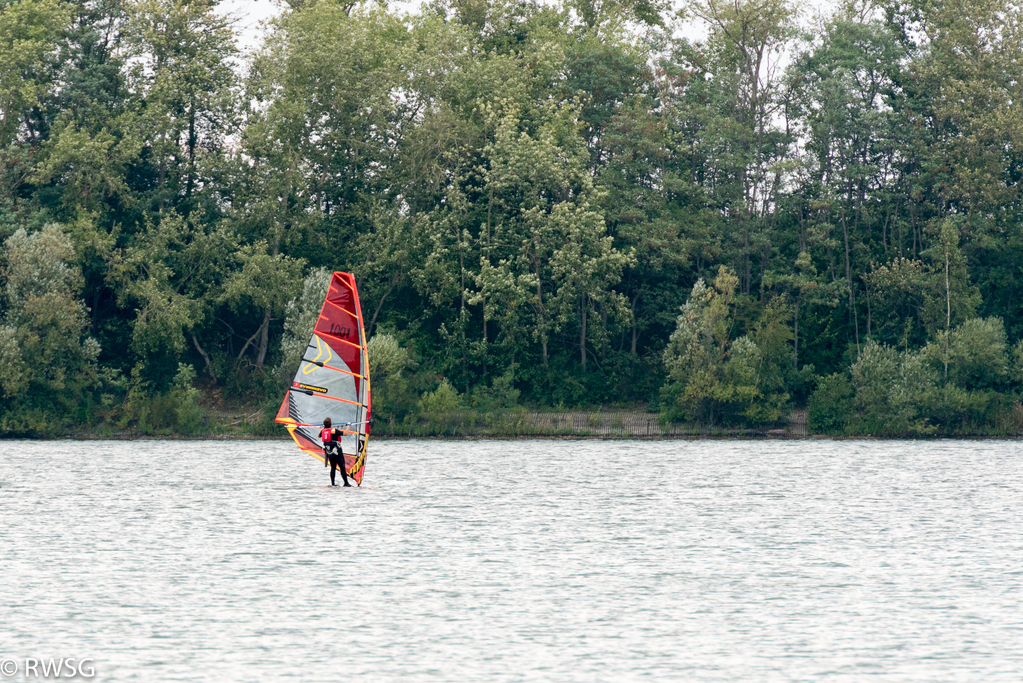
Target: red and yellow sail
(333, 379)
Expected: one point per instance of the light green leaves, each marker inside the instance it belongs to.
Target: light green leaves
(975, 354)
(43, 339)
(713, 378)
(300, 317)
(442, 400)
(29, 30)
(13, 371)
(386, 356)
(894, 391)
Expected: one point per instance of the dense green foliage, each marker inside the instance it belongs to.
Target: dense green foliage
(528, 194)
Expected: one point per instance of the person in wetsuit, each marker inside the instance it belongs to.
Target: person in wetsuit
(334, 456)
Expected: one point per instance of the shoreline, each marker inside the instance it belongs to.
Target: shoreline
(604, 425)
(523, 437)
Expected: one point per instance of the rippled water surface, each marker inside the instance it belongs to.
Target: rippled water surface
(517, 560)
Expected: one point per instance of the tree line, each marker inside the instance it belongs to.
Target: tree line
(722, 210)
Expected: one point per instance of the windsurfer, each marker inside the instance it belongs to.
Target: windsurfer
(334, 456)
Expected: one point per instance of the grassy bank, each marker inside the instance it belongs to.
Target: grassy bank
(249, 422)
(216, 419)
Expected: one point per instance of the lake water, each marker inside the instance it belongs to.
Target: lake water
(517, 561)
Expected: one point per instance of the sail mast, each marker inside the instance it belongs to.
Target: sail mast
(332, 379)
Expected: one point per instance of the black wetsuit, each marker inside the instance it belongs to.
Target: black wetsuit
(335, 458)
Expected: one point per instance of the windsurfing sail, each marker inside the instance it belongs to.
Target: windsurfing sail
(333, 380)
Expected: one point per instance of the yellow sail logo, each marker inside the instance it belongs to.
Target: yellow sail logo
(309, 387)
(321, 347)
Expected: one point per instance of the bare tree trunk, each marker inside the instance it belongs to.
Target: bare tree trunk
(948, 295)
(490, 207)
(264, 329)
(849, 280)
(248, 342)
(160, 183)
(209, 366)
(912, 218)
(948, 310)
(867, 289)
(461, 310)
(745, 257)
(635, 329)
(380, 304)
(192, 140)
(582, 332)
(795, 335)
(264, 339)
(539, 303)
(603, 322)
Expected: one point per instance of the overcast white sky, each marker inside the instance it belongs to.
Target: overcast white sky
(251, 13)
